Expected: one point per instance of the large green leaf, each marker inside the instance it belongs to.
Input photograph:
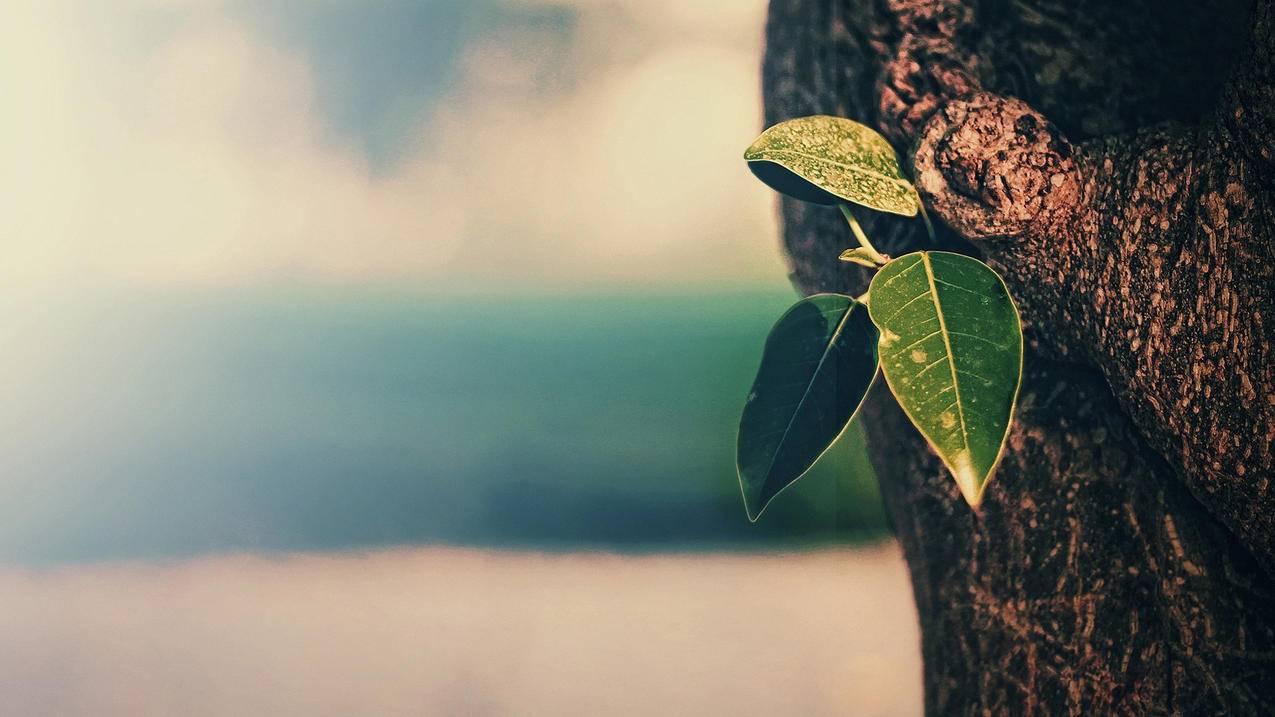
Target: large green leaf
(819, 360)
(952, 353)
(828, 160)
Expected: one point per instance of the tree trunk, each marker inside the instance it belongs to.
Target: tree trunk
(1116, 163)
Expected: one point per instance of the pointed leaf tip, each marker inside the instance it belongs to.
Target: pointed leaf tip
(952, 353)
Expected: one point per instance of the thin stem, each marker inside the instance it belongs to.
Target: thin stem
(858, 234)
(929, 227)
(862, 298)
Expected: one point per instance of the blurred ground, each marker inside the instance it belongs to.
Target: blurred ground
(445, 631)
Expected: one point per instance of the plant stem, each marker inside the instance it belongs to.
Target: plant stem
(926, 217)
(858, 234)
(862, 298)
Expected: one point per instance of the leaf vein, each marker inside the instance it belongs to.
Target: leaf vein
(899, 275)
(906, 304)
(932, 365)
(845, 316)
(930, 335)
(980, 338)
(958, 286)
(947, 342)
(971, 373)
(896, 181)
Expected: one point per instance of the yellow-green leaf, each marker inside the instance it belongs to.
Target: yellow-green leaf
(827, 160)
(951, 349)
(861, 256)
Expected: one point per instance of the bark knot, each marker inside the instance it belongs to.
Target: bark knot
(992, 166)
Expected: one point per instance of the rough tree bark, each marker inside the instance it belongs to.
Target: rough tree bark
(1116, 162)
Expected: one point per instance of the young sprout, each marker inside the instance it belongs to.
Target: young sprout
(942, 327)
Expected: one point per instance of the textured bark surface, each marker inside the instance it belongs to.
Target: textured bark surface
(1116, 162)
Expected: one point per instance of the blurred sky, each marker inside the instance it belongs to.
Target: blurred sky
(483, 144)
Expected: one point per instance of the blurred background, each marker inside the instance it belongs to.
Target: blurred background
(406, 342)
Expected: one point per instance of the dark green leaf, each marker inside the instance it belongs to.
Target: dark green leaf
(818, 362)
(952, 353)
(828, 160)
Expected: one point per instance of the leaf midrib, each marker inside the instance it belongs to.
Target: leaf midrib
(901, 183)
(832, 341)
(947, 345)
